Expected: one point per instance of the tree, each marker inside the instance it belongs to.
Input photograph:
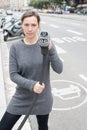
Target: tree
(40, 3)
(49, 3)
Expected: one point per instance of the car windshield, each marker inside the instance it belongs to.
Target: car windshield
(2, 14)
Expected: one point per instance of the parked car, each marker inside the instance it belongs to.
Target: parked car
(43, 11)
(82, 11)
(2, 17)
(12, 28)
(5, 20)
(50, 11)
(58, 11)
(9, 12)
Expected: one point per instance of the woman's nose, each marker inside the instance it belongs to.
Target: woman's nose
(29, 28)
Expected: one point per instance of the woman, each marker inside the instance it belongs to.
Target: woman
(25, 65)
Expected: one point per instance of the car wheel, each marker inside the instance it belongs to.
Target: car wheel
(5, 36)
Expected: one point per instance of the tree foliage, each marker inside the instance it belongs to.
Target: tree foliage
(49, 3)
(78, 1)
(45, 3)
(40, 3)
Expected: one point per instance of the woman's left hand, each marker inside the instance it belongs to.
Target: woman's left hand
(50, 46)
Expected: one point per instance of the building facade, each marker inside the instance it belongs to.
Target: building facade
(13, 4)
(16, 4)
(4, 3)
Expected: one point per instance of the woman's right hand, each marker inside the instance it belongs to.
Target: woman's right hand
(38, 88)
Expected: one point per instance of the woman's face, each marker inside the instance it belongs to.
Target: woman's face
(30, 27)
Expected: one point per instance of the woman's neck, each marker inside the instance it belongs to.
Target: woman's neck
(30, 41)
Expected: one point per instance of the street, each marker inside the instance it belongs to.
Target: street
(70, 87)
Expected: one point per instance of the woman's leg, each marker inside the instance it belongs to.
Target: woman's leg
(42, 122)
(8, 121)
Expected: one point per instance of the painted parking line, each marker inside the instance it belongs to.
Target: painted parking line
(69, 95)
(75, 32)
(83, 77)
(64, 93)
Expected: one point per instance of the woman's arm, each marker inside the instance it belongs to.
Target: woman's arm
(14, 72)
(56, 62)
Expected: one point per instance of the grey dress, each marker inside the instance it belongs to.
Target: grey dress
(25, 66)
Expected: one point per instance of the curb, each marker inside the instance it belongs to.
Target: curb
(8, 87)
(2, 89)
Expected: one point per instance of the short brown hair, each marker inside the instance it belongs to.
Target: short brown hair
(29, 14)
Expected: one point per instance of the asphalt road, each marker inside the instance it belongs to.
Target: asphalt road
(69, 88)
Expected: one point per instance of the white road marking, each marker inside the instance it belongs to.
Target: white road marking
(0, 30)
(59, 49)
(83, 77)
(64, 93)
(62, 59)
(74, 87)
(78, 33)
(73, 39)
(58, 40)
(69, 39)
(54, 26)
(81, 39)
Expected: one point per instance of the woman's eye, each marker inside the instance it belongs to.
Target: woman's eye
(26, 25)
(33, 25)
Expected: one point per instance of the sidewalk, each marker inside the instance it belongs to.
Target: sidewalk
(7, 87)
(2, 90)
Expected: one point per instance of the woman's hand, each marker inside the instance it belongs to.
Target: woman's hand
(38, 88)
(50, 46)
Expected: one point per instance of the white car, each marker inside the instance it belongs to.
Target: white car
(2, 17)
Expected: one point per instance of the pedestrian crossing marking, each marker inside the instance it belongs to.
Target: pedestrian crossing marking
(81, 39)
(72, 31)
(58, 40)
(74, 39)
(69, 39)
